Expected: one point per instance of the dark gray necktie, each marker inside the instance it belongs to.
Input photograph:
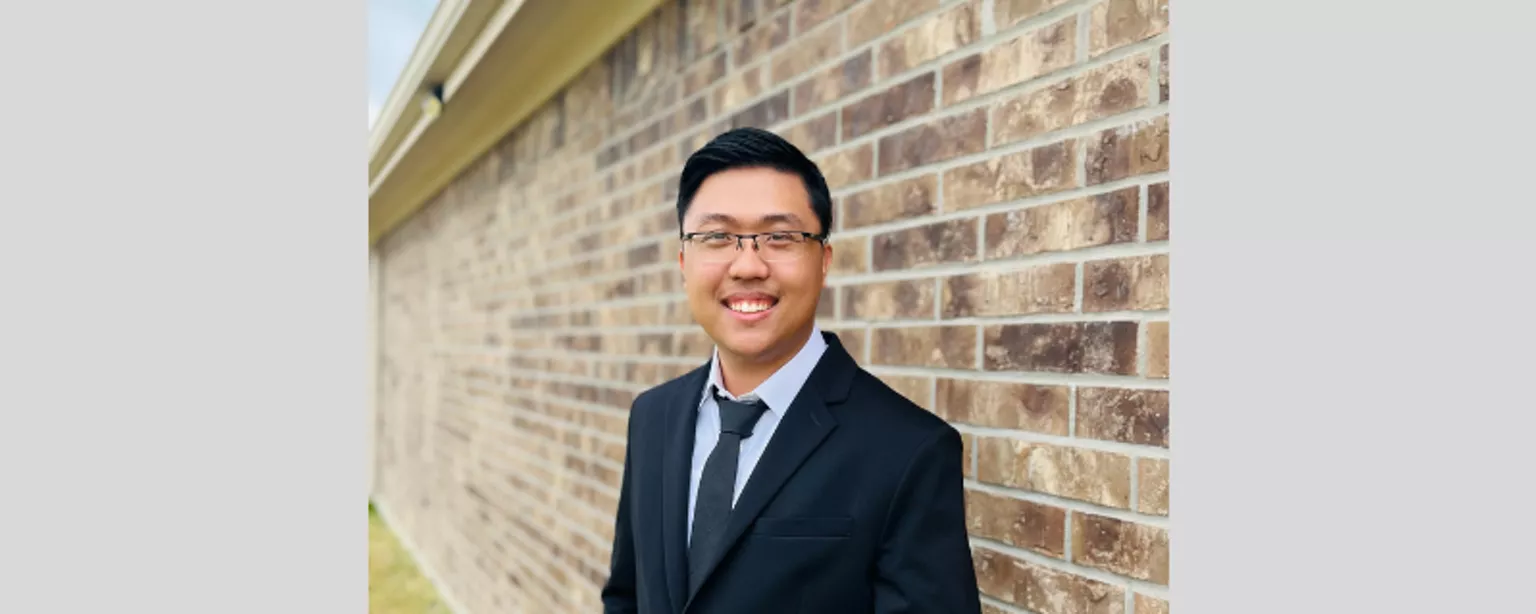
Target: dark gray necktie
(718, 483)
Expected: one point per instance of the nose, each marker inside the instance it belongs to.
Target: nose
(748, 264)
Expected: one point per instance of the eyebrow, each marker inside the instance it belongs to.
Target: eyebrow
(772, 218)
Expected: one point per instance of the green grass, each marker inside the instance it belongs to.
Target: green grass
(395, 584)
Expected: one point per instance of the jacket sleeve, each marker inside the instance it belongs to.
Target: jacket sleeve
(924, 564)
(619, 591)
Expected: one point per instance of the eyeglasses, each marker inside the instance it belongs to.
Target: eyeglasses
(770, 246)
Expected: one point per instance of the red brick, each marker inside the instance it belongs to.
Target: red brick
(1125, 415)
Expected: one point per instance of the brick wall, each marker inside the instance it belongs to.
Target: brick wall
(1000, 174)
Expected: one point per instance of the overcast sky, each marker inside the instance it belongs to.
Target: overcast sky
(393, 28)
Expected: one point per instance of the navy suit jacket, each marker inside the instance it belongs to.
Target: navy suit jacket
(857, 506)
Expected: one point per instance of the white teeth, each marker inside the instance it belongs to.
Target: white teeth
(749, 307)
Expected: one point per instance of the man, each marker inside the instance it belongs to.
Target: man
(780, 477)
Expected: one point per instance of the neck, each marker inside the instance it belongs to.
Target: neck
(743, 374)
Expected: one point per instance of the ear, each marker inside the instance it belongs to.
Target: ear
(826, 259)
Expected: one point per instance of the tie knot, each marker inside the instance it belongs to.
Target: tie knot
(739, 417)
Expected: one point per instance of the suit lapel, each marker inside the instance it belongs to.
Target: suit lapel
(807, 423)
(677, 461)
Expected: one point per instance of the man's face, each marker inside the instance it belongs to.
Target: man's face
(755, 304)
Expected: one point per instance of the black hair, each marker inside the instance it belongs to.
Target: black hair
(753, 148)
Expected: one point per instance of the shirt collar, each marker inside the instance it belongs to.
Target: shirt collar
(780, 389)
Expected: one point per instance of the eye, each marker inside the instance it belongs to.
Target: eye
(715, 239)
(782, 239)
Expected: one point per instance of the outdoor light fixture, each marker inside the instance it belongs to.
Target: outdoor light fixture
(432, 101)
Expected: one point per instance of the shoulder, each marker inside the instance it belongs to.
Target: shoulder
(876, 408)
(657, 399)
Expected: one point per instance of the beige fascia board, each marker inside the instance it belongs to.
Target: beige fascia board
(448, 34)
(525, 55)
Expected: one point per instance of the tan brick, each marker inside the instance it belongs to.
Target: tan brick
(848, 166)
(1103, 92)
(930, 39)
(704, 73)
(1009, 405)
(1150, 605)
(1009, 13)
(1102, 219)
(1128, 151)
(1152, 486)
(1018, 523)
(1126, 548)
(853, 339)
(933, 142)
(967, 444)
(889, 107)
(901, 200)
(742, 15)
(1076, 347)
(810, 13)
(923, 246)
(1138, 283)
(1157, 349)
(765, 113)
(1041, 589)
(1162, 74)
(703, 29)
(1045, 169)
(1126, 415)
(806, 52)
(1157, 212)
(850, 255)
(1039, 52)
(738, 89)
(1116, 23)
(874, 18)
(814, 134)
(1092, 476)
(890, 300)
(833, 83)
(1043, 289)
(919, 390)
(948, 347)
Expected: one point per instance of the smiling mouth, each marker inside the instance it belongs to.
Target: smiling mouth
(749, 305)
